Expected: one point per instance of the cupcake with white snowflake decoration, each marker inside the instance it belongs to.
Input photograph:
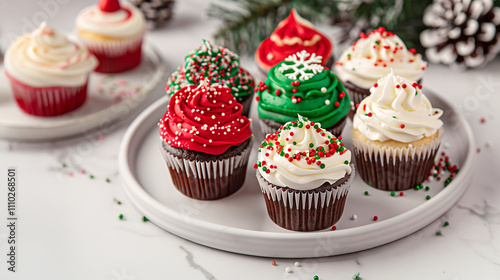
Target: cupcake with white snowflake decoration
(304, 173)
(396, 134)
(301, 85)
(372, 57)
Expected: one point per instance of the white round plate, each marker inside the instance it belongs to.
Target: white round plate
(240, 224)
(110, 97)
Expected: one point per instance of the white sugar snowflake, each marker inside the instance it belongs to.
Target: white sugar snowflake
(301, 65)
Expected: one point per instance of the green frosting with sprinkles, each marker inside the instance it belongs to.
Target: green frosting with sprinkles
(301, 85)
(215, 63)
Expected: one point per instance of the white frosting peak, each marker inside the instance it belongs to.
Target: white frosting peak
(396, 109)
(372, 57)
(290, 158)
(48, 58)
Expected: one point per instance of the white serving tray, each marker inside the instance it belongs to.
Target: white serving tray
(240, 224)
(110, 97)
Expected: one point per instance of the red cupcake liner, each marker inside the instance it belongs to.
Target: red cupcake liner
(47, 101)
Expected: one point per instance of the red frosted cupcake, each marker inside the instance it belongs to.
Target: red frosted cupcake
(48, 73)
(113, 33)
(205, 141)
(291, 36)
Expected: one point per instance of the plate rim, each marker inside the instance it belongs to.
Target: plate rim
(161, 69)
(400, 226)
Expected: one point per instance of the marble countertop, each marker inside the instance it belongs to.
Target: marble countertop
(68, 191)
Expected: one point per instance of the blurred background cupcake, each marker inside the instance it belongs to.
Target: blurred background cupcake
(304, 173)
(301, 85)
(396, 134)
(205, 141)
(113, 33)
(48, 73)
(220, 66)
(372, 57)
(293, 35)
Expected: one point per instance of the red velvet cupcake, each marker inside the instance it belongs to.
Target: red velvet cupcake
(205, 141)
(292, 35)
(48, 73)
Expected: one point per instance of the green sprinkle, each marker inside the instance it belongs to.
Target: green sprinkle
(393, 117)
(301, 124)
(427, 188)
(117, 201)
(439, 233)
(446, 224)
(270, 144)
(315, 277)
(281, 154)
(316, 126)
(311, 145)
(120, 216)
(108, 180)
(356, 277)
(322, 166)
(428, 197)
(393, 193)
(259, 164)
(316, 156)
(416, 92)
(64, 165)
(353, 69)
(264, 144)
(92, 177)
(448, 181)
(264, 168)
(346, 162)
(366, 192)
(377, 42)
(295, 142)
(144, 219)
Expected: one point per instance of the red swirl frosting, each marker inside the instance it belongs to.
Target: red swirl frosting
(204, 118)
(292, 35)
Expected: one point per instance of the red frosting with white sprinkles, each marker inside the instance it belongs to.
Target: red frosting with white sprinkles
(204, 118)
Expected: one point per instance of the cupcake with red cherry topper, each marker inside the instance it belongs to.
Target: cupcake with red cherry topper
(372, 57)
(48, 73)
(304, 173)
(396, 134)
(205, 141)
(219, 65)
(113, 33)
(301, 85)
(293, 35)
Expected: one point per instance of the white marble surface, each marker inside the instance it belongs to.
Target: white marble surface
(68, 225)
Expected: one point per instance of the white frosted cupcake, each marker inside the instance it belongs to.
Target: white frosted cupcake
(48, 73)
(113, 33)
(372, 57)
(396, 134)
(304, 173)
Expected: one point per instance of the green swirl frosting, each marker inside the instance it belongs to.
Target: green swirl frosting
(215, 63)
(300, 85)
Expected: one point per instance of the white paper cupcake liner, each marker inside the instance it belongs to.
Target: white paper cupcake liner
(114, 48)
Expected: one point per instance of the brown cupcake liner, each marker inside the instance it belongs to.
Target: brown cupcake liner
(246, 102)
(305, 210)
(268, 126)
(394, 169)
(210, 179)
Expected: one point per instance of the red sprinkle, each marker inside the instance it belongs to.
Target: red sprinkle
(255, 166)
(375, 85)
(334, 228)
(273, 262)
(336, 104)
(294, 90)
(277, 92)
(402, 126)
(401, 193)
(375, 218)
(256, 98)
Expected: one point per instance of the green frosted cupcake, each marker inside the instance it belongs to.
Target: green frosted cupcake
(301, 85)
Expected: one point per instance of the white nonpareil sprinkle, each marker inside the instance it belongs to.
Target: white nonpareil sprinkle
(297, 264)
(354, 217)
(323, 89)
(327, 102)
(288, 269)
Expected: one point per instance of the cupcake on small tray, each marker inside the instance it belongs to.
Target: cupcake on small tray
(48, 73)
(304, 173)
(372, 57)
(219, 65)
(396, 134)
(113, 32)
(301, 85)
(293, 35)
(205, 141)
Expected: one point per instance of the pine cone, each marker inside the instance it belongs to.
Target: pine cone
(156, 12)
(463, 33)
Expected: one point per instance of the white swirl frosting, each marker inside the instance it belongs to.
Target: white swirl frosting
(396, 109)
(47, 58)
(279, 164)
(372, 57)
(126, 22)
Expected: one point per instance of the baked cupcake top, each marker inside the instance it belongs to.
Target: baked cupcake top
(216, 63)
(47, 58)
(396, 109)
(109, 19)
(373, 56)
(292, 35)
(204, 118)
(301, 85)
(303, 156)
